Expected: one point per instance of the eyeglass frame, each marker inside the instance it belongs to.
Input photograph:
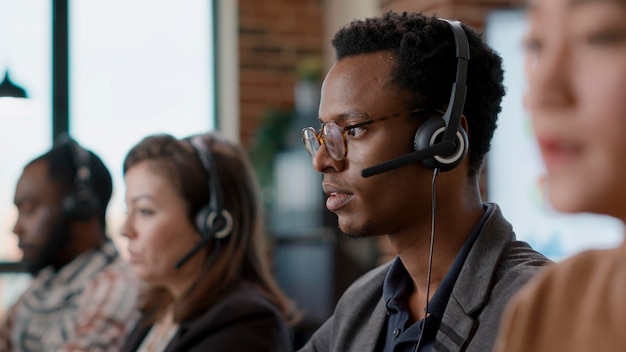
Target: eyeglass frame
(320, 137)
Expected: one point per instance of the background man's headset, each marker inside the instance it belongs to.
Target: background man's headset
(81, 203)
(212, 221)
(429, 147)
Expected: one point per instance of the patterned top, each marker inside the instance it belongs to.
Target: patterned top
(90, 304)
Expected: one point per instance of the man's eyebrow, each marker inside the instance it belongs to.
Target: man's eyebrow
(350, 114)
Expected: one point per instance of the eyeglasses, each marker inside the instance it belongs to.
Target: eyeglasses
(334, 137)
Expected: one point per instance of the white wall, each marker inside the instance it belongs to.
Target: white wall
(339, 13)
(228, 69)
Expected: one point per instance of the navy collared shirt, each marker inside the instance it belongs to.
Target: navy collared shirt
(401, 335)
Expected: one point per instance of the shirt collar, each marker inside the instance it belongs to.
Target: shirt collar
(398, 284)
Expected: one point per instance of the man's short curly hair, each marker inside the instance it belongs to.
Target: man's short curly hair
(423, 49)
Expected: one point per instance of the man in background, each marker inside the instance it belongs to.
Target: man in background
(82, 296)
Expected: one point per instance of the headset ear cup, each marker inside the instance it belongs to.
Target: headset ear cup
(69, 206)
(80, 206)
(202, 224)
(430, 133)
(211, 223)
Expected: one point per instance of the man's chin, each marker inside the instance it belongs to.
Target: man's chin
(354, 232)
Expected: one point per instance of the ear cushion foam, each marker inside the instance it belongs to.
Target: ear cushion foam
(430, 133)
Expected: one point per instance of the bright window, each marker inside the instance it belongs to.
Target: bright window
(25, 124)
(137, 68)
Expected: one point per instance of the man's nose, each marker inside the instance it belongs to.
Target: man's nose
(323, 162)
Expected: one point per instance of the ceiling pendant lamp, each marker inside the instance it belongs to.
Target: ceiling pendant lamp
(10, 89)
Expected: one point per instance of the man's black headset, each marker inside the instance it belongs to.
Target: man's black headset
(81, 203)
(429, 148)
(212, 221)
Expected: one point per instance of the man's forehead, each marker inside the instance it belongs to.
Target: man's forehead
(355, 86)
(35, 181)
(36, 170)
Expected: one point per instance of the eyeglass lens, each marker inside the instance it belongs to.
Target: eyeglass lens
(332, 136)
(311, 143)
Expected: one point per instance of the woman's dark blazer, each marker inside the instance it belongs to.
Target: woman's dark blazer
(243, 320)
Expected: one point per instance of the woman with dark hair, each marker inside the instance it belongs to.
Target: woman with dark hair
(194, 230)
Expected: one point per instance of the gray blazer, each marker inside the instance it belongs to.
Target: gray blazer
(496, 267)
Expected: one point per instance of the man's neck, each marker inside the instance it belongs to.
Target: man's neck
(88, 236)
(453, 225)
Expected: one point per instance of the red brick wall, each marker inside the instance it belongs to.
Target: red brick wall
(274, 36)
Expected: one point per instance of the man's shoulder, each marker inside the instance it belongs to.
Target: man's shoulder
(110, 274)
(519, 264)
(118, 270)
(496, 267)
(508, 256)
(519, 258)
(107, 261)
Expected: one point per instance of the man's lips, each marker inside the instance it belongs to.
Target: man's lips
(337, 197)
(337, 201)
(330, 188)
